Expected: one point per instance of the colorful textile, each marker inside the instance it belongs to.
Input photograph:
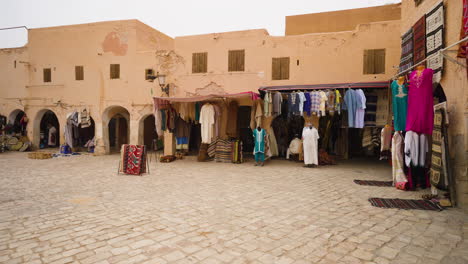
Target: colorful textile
(374, 183)
(463, 50)
(133, 159)
(211, 149)
(400, 105)
(406, 60)
(419, 33)
(338, 101)
(420, 116)
(331, 102)
(315, 102)
(439, 177)
(405, 204)
(259, 137)
(435, 40)
(237, 156)
(223, 151)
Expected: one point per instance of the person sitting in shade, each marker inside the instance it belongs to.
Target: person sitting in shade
(259, 135)
(295, 147)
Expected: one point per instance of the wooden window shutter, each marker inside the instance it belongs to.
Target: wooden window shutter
(79, 73)
(47, 75)
(199, 62)
(276, 69)
(236, 60)
(379, 63)
(368, 62)
(285, 68)
(115, 71)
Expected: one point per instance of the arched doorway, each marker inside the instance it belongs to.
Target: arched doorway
(46, 129)
(78, 131)
(19, 122)
(116, 128)
(149, 135)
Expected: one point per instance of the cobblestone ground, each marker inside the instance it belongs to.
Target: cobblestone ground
(77, 210)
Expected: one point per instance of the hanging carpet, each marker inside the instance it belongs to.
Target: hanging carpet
(133, 159)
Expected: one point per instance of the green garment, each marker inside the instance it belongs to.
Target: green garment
(400, 105)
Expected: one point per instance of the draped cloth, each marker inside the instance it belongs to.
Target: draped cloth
(398, 159)
(310, 142)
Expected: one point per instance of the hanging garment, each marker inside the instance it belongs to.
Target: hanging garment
(315, 102)
(323, 102)
(163, 120)
(259, 138)
(69, 133)
(231, 126)
(197, 112)
(207, 119)
(386, 140)
(266, 104)
(338, 101)
(85, 119)
(182, 128)
(277, 102)
(423, 149)
(295, 147)
(350, 105)
(411, 148)
(306, 107)
(273, 144)
(258, 114)
(302, 99)
(217, 123)
(331, 102)
(400, 105)
(361, 109)
(398, 159)
(293, 104)
(420, 116)
(310, 142)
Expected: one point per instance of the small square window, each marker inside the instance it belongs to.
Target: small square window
(115, 71)
(236, 60)
(47, 75)
(200, 62)
(148, 73)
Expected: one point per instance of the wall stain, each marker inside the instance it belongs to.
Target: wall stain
(116, 43)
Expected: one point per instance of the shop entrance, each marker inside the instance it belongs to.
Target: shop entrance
(116, 129)
(49, 130)
(150, 136)
(19, 121)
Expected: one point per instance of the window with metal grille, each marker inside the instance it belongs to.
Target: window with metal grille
(374, 61)
(236, 60)
(200, 62)
(47, 75)
(148, 72)
(79, 73)
(280, 68)
(115, 71)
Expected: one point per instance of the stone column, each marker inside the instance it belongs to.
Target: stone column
(169, 143)
(134, 127)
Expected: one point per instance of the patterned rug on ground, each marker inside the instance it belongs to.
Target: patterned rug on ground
(374, 183)
(405, 204)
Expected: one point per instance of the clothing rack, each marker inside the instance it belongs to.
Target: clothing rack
(435, 54)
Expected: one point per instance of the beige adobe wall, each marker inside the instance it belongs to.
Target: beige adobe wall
(95, 46)
(455, 84)
(323, 58)
(344, 20)
(13, 80)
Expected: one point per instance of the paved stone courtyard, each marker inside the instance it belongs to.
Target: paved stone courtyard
(78, 210)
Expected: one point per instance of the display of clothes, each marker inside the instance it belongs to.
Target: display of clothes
(398, 161)
(360, 109)
(399, 105)
(385, 141)
(310, 138)
(420, 114)
(182, 133)
(351, 104)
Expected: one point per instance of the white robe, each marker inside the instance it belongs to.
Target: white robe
(207, 119)
(310, 141)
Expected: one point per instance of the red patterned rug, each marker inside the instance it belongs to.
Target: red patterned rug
(133, 159)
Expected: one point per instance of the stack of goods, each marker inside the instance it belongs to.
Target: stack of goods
(223, 151)
(40, 155)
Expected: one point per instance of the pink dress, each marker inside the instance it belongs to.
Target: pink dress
(420, 115)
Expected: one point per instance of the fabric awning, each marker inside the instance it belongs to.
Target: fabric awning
(325, 86)
(252, 95)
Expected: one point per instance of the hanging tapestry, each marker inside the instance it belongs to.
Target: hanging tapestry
(133, 159)
(419, 40)
(435, 40)
(439, 177)
(462, 51)
(406, 60)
